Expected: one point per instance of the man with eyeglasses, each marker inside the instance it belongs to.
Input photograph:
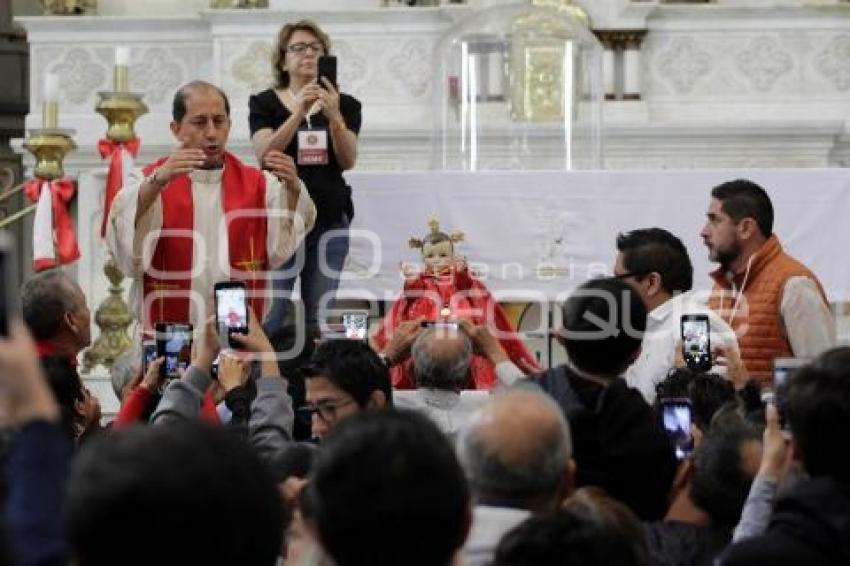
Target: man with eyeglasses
(343, 378)
(656, 265)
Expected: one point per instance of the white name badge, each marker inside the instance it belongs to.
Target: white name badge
(312, 147)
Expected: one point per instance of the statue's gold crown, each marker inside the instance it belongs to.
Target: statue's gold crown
(435, 234)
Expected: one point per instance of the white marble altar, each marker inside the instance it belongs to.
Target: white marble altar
(731, 84)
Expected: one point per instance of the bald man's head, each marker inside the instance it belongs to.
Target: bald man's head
(517, 451)
(441, 359)
(179, 104)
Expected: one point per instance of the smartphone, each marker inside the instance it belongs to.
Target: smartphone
(696, 341)
(148, 354)
(327, 68)
(355, 325)
(174, 343)
(676, 416)
(452, 326)
(783, 368)
(231, 309)
(8, 281)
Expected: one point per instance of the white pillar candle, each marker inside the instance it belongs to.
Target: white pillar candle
(122, 56)
(51, 87)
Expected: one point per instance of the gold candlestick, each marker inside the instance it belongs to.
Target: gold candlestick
(121, 79)
(50, 115)
(121, 110)
(49, 147)
(113, 317)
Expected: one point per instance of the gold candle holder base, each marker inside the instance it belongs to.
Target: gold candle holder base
(49, 146)
(121, 109)
(113, 317)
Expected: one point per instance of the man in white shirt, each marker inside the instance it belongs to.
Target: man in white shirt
(441, 360)
(776, 305)
(656, 264)
(200, 216)
(516, 453)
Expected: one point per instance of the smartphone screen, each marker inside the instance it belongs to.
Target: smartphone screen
(327, 68)
(174, 342)
(148, 354)
(441, 324)
(676, 417)
(696, 341)
(783, 368)
(355, 325)
(231, 308)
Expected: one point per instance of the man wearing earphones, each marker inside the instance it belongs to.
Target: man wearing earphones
(200, 216)
(775, 304)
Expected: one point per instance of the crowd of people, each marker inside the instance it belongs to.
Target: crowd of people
(250, 457)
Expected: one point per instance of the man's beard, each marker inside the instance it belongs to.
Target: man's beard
(726, 255)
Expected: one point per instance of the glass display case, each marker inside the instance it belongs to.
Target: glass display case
(519, 86)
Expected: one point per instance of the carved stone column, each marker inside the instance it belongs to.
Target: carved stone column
(622, 46)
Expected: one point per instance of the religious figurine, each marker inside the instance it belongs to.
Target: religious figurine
(444, 289)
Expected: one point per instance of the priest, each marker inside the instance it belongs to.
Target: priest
(200, 216)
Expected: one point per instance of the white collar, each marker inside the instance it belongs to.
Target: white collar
(206, 176)
(674, 304)
(439, 398)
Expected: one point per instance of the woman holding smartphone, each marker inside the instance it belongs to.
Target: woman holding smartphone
(305, 117)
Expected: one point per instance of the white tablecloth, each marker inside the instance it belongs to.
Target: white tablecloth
(539, 234)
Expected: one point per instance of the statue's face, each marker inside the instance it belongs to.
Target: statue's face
(438, 257)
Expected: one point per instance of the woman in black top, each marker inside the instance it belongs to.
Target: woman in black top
(317, 127)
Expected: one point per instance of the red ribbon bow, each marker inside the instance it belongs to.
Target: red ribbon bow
(62, 191)
(112, 149)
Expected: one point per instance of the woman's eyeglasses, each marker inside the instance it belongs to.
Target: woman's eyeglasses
(301, 47)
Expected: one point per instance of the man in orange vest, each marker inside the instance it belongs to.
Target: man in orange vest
(775, 304)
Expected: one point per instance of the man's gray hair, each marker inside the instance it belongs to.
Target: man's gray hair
(45, 298)
(441, 361)
(124, 369)
(539, 475)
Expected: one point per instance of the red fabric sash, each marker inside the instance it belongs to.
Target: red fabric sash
(46, 349)
(171, 265)
(115, 173)
(62, 192)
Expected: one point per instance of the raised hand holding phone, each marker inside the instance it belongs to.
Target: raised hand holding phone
(152, 380)
(676, 415)
(696, 341)
(232, 371)
(174, 343)
(231, 309)
(256, 341)
(327, 72)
